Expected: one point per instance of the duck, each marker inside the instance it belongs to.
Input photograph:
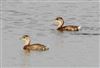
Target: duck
(59, 22)
(32, 47)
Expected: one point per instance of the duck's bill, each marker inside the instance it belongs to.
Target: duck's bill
(55, 23)
(21, 38)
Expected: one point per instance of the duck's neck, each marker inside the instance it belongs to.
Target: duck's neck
(60, 23)
(27, 42)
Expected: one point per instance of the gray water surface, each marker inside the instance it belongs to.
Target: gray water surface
(67, 49)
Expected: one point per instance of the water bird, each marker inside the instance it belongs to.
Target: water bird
(59, 22)
(32, 47)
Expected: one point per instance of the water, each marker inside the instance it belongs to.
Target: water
(67, 49)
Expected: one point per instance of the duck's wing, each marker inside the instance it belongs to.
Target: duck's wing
(39, 47)
(71, 28)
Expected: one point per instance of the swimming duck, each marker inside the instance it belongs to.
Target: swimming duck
(59, 21)
(32, 47)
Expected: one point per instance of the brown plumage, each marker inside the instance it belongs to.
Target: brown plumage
(35, 47)
(60, 22)
(69, 28)
(32, 47)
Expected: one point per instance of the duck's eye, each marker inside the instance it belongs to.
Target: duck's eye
(23, 37)
(57, 19)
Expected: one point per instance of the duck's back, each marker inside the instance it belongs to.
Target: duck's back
(71, 28)
(38, 47)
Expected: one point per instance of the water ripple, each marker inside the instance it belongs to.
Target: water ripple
(91, 28)
(95, 34)
(14, 12)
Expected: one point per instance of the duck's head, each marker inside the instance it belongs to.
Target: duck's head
(59, 21)
(25, 39)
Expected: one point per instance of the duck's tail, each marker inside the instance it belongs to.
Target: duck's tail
(45, 49)
(79, 27)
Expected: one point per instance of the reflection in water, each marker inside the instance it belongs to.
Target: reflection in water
(29, 58)
(95, 34)
(90, 28)
(26, 59)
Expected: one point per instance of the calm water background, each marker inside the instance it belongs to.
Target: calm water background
(36, 19)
